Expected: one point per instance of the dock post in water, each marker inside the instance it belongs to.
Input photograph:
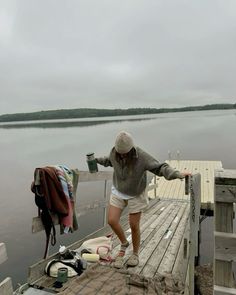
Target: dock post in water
(225, 239)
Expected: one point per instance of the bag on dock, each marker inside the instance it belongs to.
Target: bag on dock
(100, 245)
(74, 266)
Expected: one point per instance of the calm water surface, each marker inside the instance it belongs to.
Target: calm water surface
(206, 135)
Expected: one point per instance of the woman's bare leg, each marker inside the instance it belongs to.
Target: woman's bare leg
(114, 214)
(134, 221)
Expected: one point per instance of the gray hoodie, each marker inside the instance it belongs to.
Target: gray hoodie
(132, 179)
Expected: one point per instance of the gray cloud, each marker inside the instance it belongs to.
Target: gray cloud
(116, 54)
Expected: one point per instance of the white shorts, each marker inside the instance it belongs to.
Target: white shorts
(135, 205)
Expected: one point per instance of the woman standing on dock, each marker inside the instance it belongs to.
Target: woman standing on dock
(130, 164)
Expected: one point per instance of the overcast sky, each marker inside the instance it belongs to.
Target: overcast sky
(116, 54)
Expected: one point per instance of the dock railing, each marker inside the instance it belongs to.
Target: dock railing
(6, 285)
(193, 188)
(225, 239)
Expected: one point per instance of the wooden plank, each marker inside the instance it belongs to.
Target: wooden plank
(174, 185)
(219, 290)
(205, 168)
(223, 274)
(3, 253)
(38, 226)
(156, 208)
(150, 224)
(225, 193)
(187, 288)
(168, 261)
(155, 235)
(152, 186)
(224, 217)
(157, 250)
(182, 258)
(225, 176)
(195, 198)
(205, 180)
(6, 287)
(168, 243)
(198, 196)
(85, 176)
(162, 187)
(225, 246)
(147, 230)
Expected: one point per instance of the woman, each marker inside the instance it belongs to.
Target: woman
(130, 164)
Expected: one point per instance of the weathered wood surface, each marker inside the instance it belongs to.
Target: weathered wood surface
(6, 287)
(165, 235)
(224, 214)
(225, 193)
(218, 290)
(195, 199)
(163, 227)
(225, 177)
(85, 176)
(176, 188)
(3, 253)
(225, 246)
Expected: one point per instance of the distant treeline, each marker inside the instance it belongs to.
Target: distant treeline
(89, 112)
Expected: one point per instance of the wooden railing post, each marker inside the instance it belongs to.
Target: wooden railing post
(6, 285)
(105, 206)
(195, 201)
(3, 253)
(155, 189)
(225, 240)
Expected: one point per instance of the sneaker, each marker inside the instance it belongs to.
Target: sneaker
(133, 260)
(119, 262)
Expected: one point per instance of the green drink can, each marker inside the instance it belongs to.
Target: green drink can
(62, 275)
(92, 163)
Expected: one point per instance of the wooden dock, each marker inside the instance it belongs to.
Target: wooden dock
(164, 247)
(175, 189)
(169, 238)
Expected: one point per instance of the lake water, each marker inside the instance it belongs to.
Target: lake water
(206, 135)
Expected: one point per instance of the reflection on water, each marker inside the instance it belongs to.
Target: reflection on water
(23, 148)
(64, 123)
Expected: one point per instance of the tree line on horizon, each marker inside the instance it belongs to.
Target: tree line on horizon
(93, 112)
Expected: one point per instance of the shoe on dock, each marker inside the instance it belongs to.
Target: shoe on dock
(119, 262)
(133, 260)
